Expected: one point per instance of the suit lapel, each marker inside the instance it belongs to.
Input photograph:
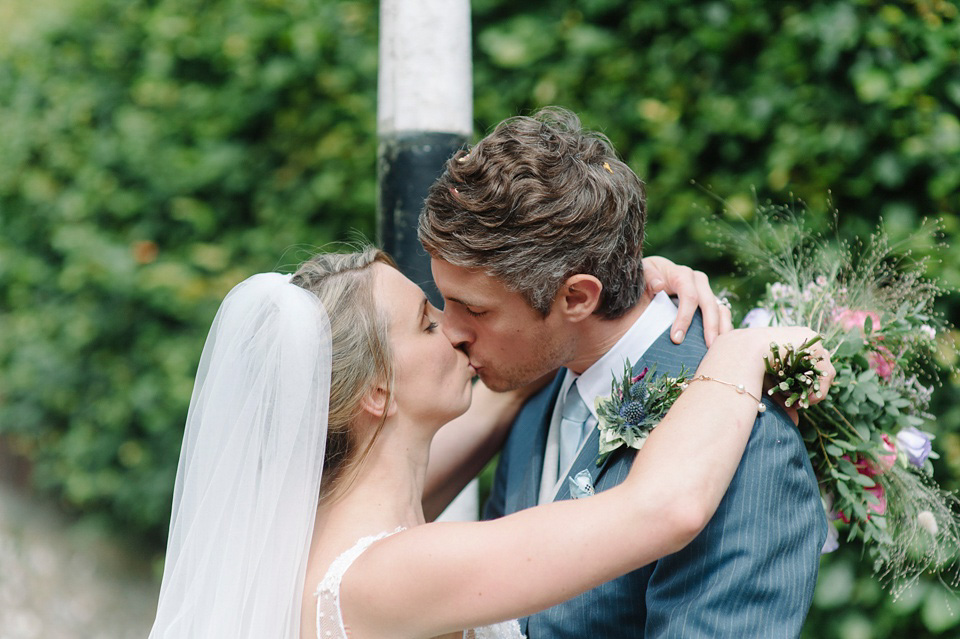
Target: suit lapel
(537, 417)
(586, 460)
(589, 453)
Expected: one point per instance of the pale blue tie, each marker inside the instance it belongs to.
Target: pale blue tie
(573, 418)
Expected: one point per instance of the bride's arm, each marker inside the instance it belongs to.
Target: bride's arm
(463, 447)
(444, 577)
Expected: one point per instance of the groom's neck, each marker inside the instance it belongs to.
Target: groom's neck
(599, 335)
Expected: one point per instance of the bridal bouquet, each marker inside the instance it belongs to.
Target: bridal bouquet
(866, 439)
(874, 312)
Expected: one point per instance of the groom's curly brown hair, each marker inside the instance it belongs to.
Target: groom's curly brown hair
(536, 201)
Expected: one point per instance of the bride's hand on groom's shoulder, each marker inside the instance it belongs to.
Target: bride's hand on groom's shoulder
(692, 290)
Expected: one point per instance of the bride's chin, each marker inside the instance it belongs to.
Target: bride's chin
(454, 408)
(463, 405)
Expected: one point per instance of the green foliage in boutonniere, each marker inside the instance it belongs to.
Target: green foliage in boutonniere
(635, 405)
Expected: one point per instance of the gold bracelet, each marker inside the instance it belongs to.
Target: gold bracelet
(739, 388)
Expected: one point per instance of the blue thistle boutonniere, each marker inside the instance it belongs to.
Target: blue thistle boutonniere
(635, 405)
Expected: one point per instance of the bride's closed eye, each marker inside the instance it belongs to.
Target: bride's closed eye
(431, 325)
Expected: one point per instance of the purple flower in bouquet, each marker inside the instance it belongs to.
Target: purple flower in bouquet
(758, 318)
(915, 443)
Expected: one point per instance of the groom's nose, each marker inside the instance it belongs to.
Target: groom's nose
(455, 331)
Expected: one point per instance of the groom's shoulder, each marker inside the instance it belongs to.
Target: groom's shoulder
(668, 356)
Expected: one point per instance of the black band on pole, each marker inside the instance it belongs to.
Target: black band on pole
(407, 164)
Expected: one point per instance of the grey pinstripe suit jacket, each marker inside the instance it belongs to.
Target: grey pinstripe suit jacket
(750, 573)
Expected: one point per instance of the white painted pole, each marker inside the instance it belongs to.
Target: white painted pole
(426, 75)
(424, 114)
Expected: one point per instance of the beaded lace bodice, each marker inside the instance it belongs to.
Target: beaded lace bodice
(330, 619)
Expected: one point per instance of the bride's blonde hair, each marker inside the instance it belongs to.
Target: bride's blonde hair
(361, 356)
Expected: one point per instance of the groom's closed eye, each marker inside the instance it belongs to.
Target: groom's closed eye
(473, 312)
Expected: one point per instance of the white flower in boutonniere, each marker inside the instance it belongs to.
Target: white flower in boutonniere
(634, 407)
(581, 485)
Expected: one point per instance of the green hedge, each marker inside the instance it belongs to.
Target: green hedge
(154, 153)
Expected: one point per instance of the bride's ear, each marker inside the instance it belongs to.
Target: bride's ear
(379, 403)
(579, 296)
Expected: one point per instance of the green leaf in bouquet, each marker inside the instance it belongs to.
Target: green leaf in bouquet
(850, 446)
(862, 430)
(853, 532)
(859, 510)
(833, 450)
(839, 476)
(851, 344)
(864, 481)
(847, 467)
(844, 491)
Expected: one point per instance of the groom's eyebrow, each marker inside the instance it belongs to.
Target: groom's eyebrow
(460, 301)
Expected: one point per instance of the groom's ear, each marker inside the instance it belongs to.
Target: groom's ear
(579, 296)
(379, 403)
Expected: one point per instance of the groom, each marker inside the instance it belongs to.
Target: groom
(536, 242)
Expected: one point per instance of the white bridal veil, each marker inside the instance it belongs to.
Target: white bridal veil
(249, 476)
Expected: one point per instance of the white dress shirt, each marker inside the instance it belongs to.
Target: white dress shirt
(595, 382)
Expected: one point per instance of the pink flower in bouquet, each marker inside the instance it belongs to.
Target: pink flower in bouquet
(884, 462)
(881, 361)
(887, 461)
(869, 469)
(879, 507)
(848, 318)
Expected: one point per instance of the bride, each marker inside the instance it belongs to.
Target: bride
(298, 502)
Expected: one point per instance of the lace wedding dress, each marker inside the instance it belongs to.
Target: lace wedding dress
(330, 619)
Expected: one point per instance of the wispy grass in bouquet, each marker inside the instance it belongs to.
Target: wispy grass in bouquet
(867, 440)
